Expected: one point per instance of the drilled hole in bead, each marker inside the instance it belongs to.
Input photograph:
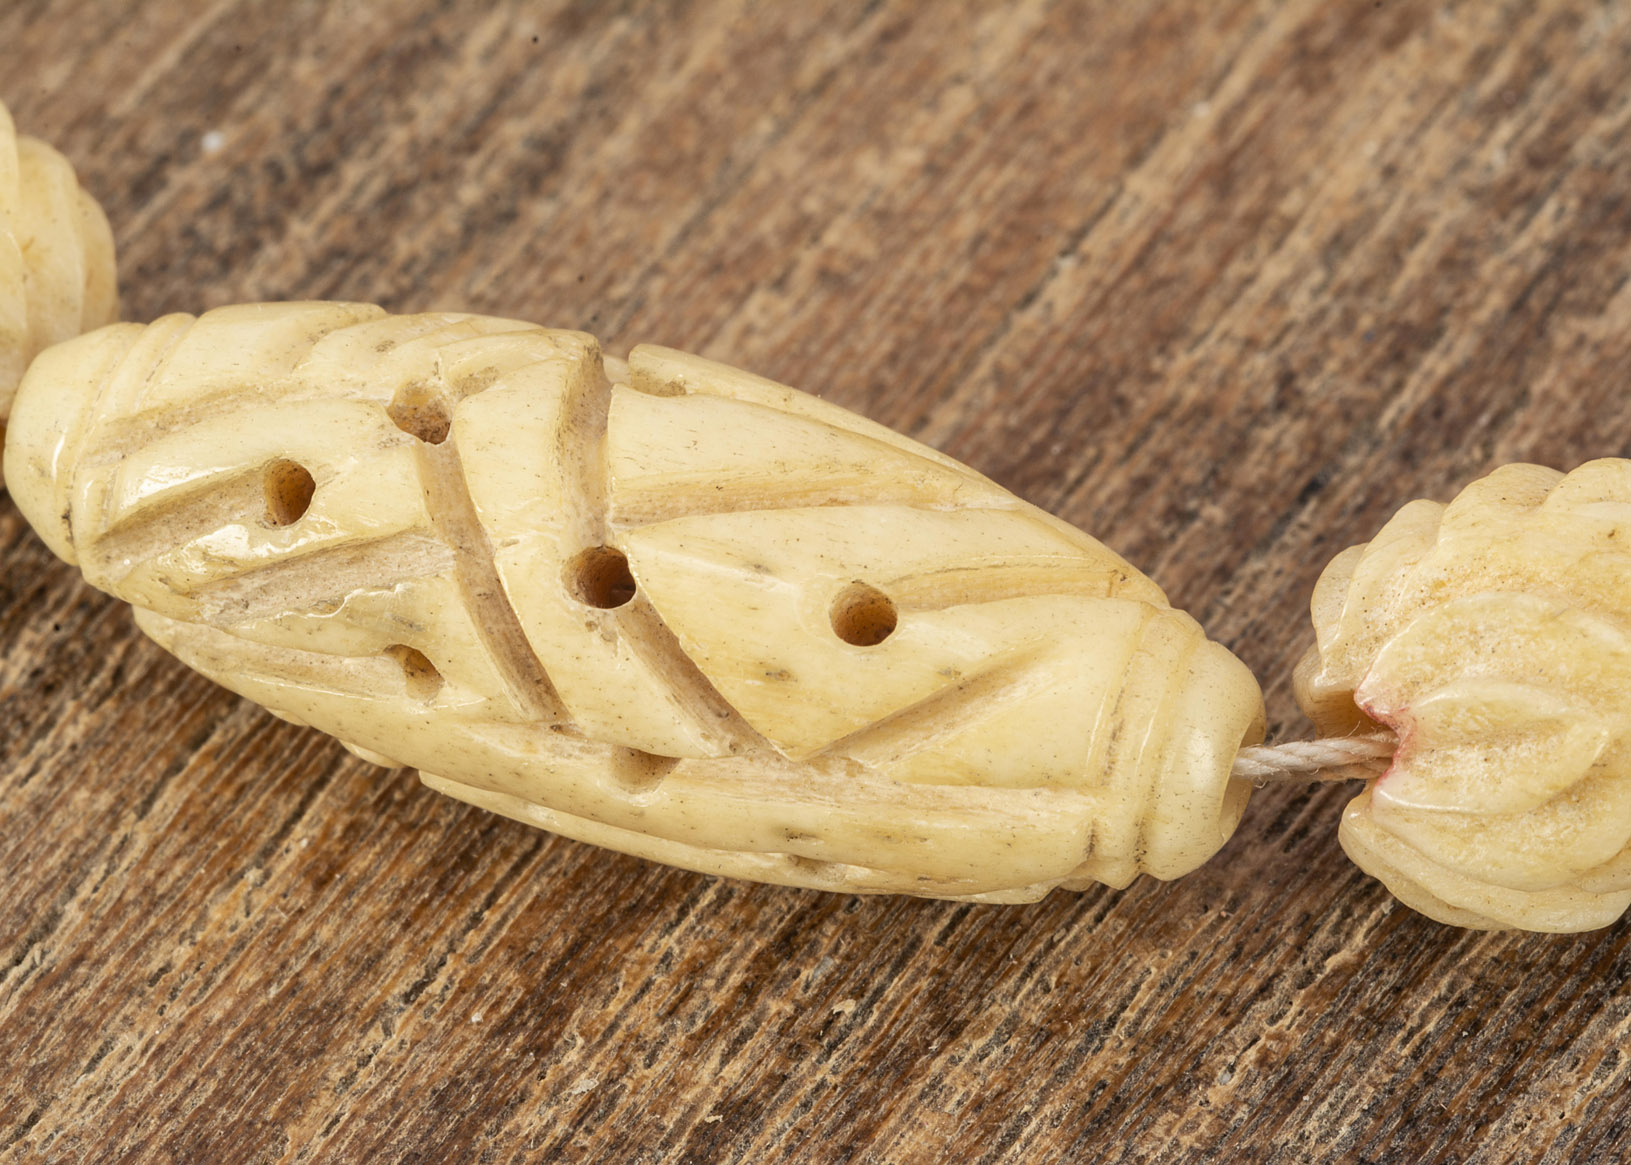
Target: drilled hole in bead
(651, 386)
(601, 578)
(813, 869)
(421, 676)
(421, 412)
(289, 488)
(640, 772)
(862, 615)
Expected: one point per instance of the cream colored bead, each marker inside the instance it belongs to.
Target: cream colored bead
(57, 276)
(1494, 635)
(689, 614)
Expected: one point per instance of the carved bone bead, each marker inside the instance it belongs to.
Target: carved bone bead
(57, 274)
(680, 611)
(1494, 636)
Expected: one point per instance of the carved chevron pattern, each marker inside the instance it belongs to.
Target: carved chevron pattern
(679, 610)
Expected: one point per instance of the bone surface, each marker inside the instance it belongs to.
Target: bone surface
(1494, 635)
(680, 610)
(57, 274)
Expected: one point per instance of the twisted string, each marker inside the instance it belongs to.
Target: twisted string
(1342, 758)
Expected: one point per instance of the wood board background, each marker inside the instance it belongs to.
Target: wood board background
(1224, 283)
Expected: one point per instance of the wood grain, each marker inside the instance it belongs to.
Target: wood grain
(1224, 283)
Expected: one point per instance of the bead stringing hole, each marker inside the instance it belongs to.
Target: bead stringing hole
(862, 615)
(289, 488)
(601, 578)
(640, 772)
(420, 412)
(423, 680)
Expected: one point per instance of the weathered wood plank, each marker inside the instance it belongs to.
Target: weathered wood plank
(1225, 284)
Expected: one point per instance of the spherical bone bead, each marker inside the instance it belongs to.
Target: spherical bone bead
(676, 609)
(1493, 634)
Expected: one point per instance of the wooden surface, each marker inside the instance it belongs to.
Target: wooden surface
(1224, 283)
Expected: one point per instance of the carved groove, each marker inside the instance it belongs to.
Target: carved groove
(139, 366)
(1171, 673)
(995, 582)
(920, 725)
(580, 451)
(692, 499)
(184, 517)
(658, 648)
(454, 514)
(321, 578)
(584, 469)
(122, 436)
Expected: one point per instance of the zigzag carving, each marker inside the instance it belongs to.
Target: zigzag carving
(691, 614)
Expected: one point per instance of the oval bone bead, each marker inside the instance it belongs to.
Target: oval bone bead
(57, 274)
(1494, 636)
(677, 610)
